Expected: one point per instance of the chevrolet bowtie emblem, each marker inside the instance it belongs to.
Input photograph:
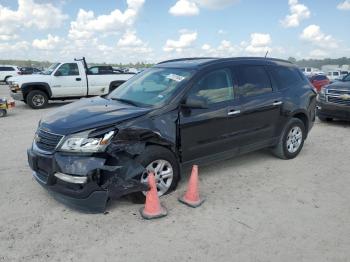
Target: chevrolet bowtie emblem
(345, 97)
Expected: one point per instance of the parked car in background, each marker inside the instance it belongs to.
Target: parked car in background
(65, 80)
(319, 81)
(6, 71)
(29, 70)
(333, 101)
(310, 71)
(180, 112)
(334, 75)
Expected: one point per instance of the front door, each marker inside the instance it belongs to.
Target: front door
(67, 82)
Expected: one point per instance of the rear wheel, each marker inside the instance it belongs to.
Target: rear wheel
(37, 99)
(164, 165)
(291, 141)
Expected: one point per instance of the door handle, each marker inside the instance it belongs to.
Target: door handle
(78, 79)
(234, 112)
(277, 103)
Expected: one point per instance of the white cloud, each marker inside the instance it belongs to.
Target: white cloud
(215, 4)
(314, 35)
(345, 5)
(298, 12)
(50, 43)
(191, 7)
(184, 8)
(259, 44)
(32, 14)
(185, 41)
(86, 24)
(29, 14)
(129, 42)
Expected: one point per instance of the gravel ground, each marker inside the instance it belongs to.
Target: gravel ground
(258, 208)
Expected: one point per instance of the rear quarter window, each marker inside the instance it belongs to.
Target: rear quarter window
(287, 77)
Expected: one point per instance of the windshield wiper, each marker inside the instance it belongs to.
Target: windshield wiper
(126, 101)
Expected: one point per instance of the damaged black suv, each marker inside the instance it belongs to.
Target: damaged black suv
(177, 113)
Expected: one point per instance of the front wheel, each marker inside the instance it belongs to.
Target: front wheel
(291, 141)
(37, 99)
(164, 165)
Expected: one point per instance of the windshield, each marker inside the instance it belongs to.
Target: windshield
(152, 87)
(50, 69)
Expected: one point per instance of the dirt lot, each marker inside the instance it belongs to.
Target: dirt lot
(258, 208)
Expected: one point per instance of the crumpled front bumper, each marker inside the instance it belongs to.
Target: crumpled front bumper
(104, 182)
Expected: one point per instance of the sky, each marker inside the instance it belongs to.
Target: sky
(122, 31)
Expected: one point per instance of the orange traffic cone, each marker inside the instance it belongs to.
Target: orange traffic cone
(191, 197)
(153, 208)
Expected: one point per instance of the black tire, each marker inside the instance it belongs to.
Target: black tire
(3, 112)
(33, 99)
(151, 154)
(325, 119)
(281, 149)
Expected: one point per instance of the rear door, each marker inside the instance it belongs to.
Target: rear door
(68, 81)
(260, 107)
(204, 132)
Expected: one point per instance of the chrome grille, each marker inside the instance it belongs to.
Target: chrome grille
(47, 141)
(338, 96)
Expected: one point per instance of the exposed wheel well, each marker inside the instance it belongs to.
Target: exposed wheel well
(304, 119)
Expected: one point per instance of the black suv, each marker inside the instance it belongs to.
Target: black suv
(180, 112)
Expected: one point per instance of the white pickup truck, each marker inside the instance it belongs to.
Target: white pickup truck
(61, 81)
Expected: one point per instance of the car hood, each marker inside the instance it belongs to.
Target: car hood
(89, 113)
(22, 79)
(339, 85)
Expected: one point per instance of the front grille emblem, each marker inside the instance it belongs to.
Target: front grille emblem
(345, 97)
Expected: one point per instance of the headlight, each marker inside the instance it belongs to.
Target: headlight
(81, 142)
(323, 91)
(14, 86)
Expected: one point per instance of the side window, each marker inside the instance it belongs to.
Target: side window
(215, 87)
(6, 68)
(69, 69)
(347, 78)
(288, 77)
(253, 80)
(93, 70)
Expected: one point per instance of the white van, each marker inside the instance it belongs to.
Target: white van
(6, 71)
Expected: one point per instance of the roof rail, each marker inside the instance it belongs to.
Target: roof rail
(186, 58)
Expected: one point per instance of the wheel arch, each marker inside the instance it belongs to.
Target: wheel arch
(304, 118)
(26, 88)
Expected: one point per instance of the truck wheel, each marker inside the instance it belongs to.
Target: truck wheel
(291, 141)
(114, 85)
(37, 99)
(3, 112)
(165, 167)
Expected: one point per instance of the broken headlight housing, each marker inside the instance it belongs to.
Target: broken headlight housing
(83, 143)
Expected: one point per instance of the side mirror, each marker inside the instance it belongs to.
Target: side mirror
(58, 73)
(195, 102)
